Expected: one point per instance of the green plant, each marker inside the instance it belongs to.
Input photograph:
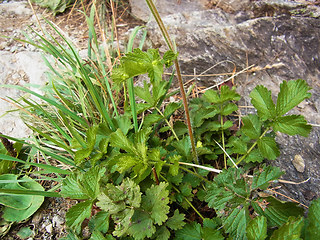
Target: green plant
(135, 169)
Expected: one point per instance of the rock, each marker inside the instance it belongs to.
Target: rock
(17, 8)
(139, 8)
(281, 48)
(18, 69)
(298, 163)
(230, 5)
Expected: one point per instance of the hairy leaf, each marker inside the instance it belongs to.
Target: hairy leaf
(119, 140)
(276, 212)
(156, 202)
(162, 233)
(100, 222)
(236, 223)
(142, 225)
(291, 230)
(115, 199)
(292, 125)
(262, 101)
(83, 185)
(77, 214)
(251, 126)
(291, 94)
(262, 178)
(257, 228)
(268, 148)
(189, 232)
(176, 221)
(138, 62)
(254, 156)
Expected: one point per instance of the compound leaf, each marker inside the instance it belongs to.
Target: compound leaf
(291, 94)
(262, 101)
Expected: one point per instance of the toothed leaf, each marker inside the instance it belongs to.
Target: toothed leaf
(292, 125)
(262, 101)
(291, 94)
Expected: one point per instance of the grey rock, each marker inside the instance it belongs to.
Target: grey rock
(139, 8)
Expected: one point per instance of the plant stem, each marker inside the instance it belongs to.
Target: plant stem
(252, 147)
(172, 130)
(223, 144)
(166, 36)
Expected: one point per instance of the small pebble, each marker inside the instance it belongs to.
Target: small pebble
(298, 163)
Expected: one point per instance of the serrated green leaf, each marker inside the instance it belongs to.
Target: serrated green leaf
(236, 223)
(97, 235)
(81, 155)
(229, 189)
(125, 162)
(83, 185)
(77, 214)
(156, 202)
(142, 225)
(183, 147)
(144, 93)
(189, 232)
(90, 181)
(119, 140)
(169, 57)
(162, 233)
(276, 212)
(313, 226)
(262, 178)
(227, 94)
(171, 108)
(71, 188)
(291, 230)
(152, 119)
(176, 221)
(262, 101)
(254, 156)
(123, 221)
(268, 148)
(257, 228)
(292, 125)
(291, 94)
(237, 145)
(228, 109)
(100, 222)
(115, 199)
(138, 62)
(210, 230)
(251, 126)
